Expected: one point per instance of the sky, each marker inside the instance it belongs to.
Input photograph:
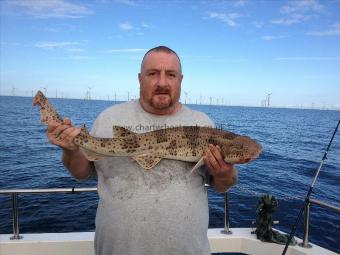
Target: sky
(233, 52)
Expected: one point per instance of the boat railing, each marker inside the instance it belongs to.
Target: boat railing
(14, 193)
(305, 242)
(15, 209)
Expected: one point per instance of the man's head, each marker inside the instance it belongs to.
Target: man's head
(160, 81)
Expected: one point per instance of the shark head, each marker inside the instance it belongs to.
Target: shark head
(39, 99)
(47, 112)
(241, 150)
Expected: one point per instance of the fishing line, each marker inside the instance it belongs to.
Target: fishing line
(294, 227)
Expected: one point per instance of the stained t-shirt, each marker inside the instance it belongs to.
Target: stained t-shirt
(143, 212)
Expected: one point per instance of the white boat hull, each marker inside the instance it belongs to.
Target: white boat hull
(241, 240)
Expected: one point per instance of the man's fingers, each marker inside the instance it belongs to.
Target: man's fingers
(65, 139)
(60, 129)
(62, 134)
(207, 162)
(212, 161)
(215, 162)
(57, 127)
(69, 134)
(221, 152)
(217, 153)
(67, 121)
(75, 132)
(50, 128)
(57, 133)
(52, 125)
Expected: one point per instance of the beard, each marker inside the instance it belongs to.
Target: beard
(161, 101)
(161, 98)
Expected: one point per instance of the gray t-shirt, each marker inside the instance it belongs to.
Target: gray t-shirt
(143, 212)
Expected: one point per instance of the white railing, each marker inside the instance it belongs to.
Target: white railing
(15, 208)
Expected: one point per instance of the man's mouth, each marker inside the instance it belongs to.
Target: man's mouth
(161, 91)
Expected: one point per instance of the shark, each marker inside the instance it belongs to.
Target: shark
(184, 143)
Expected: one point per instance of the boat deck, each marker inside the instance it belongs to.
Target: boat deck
(241, 241)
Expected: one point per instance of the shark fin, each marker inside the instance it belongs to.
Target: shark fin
(121, 131)
(198, 165)
(147, 161)
(84, 129)
(90, 155)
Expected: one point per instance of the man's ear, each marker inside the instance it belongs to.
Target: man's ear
(139, 77)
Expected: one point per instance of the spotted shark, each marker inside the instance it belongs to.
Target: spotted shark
(185, 143)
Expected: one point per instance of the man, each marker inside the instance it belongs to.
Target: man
(161, 211)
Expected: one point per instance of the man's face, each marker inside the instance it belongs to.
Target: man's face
(160, 80)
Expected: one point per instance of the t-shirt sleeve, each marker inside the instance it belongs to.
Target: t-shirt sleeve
(204, 119)
(95, 126)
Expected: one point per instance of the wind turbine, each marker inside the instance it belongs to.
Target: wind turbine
(45, 89)
(13, 90)
(89, 93)
(268, 99)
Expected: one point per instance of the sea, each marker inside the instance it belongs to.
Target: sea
(293, 140)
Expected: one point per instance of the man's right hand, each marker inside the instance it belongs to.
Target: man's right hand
(63, 134)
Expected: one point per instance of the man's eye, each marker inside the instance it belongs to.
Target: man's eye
(173, 75)
(151, 74)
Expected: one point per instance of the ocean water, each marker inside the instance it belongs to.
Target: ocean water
(293, 140)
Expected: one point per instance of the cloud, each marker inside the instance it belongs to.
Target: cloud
(298, 11)
(144, 25)
(126, 50)
(55, 45)
(291, 19)
(49, 8)
(299, 6)
(239, 3)
(272, 37)
(227, 18)
(333, 31)
(307, 58)
(139, 30)
(14, 44)
(125, 26)
(258, 24)
(199, 56)
(75, 50)
(126, 2)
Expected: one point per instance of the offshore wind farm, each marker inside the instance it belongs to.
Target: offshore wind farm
(250, 53)
(121, 96)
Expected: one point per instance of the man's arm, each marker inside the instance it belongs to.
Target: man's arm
(78, 165)
(62, 135)
(223, 175)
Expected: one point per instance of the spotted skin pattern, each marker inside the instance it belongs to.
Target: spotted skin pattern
(47, 112)
(185, 143)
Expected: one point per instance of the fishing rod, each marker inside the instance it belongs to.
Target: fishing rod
(292, 233)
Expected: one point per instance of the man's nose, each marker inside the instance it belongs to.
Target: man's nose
(162, 81)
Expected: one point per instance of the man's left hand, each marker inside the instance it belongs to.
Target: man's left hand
(224, 174)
